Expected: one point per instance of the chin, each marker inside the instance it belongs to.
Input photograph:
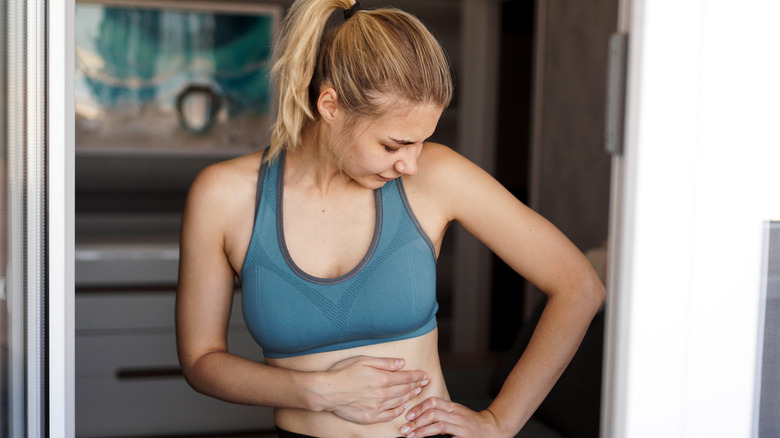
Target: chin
(374, 184)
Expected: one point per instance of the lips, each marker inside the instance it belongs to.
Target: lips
(385, 179)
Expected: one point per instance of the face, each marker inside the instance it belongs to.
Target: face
(388, 146)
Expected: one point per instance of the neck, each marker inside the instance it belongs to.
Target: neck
(314, 166)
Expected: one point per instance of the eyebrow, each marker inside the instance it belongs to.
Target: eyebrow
(404, 142)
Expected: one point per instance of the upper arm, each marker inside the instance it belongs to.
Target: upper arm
(526, 241)
(206, 278)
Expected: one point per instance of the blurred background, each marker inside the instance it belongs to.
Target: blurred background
(165, 88)
(157, 89)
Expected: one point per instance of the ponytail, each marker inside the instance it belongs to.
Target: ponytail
(296, 58)
(371, 54)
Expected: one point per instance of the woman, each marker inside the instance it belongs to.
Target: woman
(334, 232)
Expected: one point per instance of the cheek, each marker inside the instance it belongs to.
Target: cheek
(358, 162)
(368, 158)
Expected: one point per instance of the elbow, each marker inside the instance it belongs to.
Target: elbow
(194, 374)
(585, 292)
(189, 375)
(189, 371)
(583, 295)
(594, 292)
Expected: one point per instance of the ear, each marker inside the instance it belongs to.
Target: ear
(328, 104)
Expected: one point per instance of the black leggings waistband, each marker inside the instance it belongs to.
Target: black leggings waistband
(287, 434)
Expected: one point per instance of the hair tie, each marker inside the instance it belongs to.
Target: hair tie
(348, 13)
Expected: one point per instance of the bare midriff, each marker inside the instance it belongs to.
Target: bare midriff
(420, 353)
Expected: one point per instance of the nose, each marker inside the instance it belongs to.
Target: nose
(407, 163)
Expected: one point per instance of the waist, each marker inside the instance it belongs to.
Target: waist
(287, 434)
(420, 353)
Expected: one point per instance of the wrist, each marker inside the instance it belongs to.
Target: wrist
(504, 428)
(312, 384)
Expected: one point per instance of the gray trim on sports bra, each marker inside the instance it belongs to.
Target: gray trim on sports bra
(426, 238)
(258, 195)
(260, 178)
(283, 244)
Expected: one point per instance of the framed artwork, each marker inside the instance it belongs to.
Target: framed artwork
(173, 76)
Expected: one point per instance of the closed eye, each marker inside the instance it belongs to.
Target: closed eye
(404, 142)
(391, 149)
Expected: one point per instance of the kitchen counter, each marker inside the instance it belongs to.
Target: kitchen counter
(126, 250)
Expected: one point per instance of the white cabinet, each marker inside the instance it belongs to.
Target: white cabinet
(128, 381)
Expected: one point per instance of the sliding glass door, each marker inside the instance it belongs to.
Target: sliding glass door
(34, 201)
(23, 207)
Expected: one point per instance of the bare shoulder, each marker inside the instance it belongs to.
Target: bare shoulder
(222, 177)
(218, 214)
(222, 193)
(439, 163)
(436, 159)
(219, 184)
(450, 179)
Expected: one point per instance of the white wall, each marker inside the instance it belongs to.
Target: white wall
(61, 206)
(699, 176)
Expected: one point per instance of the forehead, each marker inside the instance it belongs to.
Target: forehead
(408, 121)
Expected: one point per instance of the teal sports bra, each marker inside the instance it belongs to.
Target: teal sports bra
(389, 296)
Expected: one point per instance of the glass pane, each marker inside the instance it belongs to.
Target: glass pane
(769, 421)
(4, 413)
(22, 218)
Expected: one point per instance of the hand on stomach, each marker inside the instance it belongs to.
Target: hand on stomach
(366, 391)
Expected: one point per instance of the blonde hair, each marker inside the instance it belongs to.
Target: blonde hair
(371, 55)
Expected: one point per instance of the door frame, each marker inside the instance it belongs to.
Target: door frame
(692, 192)
(61, 213)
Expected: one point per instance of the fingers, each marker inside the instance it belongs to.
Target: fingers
(427, 405)
(393, 413)
(402, 397)
(399, 394)
(372, 389)
(407, 380)
(390, 364)
(397, 398)
(435, 416)
(397, 376)
(397, 406)
(384, 363)
(380, 363)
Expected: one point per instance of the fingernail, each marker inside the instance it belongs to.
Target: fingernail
(424, 382)
(417, 391)
(411, 435)
(399, 362)
(410, 416)
(405, 429)
(406, 406)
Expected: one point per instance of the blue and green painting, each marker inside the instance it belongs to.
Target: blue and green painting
(172, 78)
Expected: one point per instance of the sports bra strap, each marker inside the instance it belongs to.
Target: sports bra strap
(260, 178)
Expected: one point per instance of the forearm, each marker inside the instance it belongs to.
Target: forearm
(556, 338)
(235, 379)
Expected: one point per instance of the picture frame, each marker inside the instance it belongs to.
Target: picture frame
(173, 77)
